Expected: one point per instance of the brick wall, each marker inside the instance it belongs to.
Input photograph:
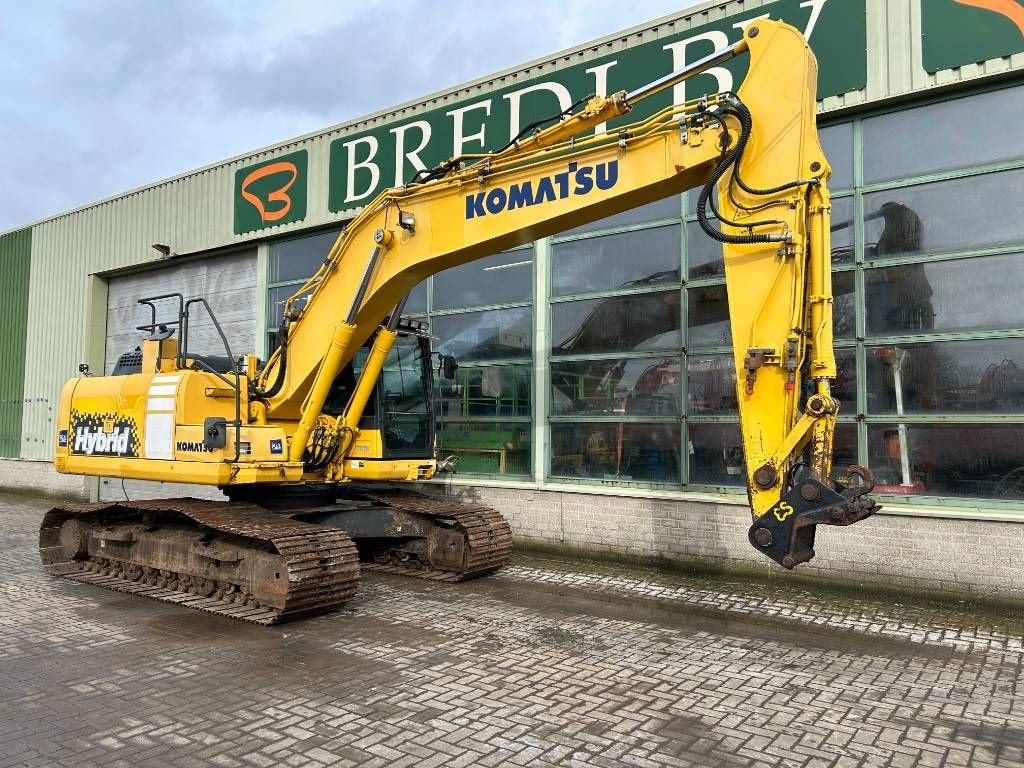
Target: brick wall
(41, 477)
(928, 553)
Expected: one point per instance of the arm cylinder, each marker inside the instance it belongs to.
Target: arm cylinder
(823, 360)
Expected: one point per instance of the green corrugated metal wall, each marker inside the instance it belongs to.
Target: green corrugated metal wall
(15, 260)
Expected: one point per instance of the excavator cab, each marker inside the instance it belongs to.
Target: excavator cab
(399, 416)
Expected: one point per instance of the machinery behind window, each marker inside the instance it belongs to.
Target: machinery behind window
(311, 445)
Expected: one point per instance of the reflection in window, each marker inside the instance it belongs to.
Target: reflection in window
(711, 384)
(417, 301)
(488, 391)
(666, 208)
(975, 460)
(844, 386)
(708, 317)
(716, 454)
(486, 335)
(619, 324)
(703, 254)
(403, 386)
(277, 297)
(837, 141)
(956, 295)
(844, 305)
(844, 451)
(954, 215)
(842, 230)
(958, 376)
(620, 452)
(627, 260)
(300, 257)
(916, 141)
(504, 278)
(647, 386)
(486, 447)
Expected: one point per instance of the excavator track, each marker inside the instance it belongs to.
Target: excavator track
(237, 560)
(405, 532)
(488, 535)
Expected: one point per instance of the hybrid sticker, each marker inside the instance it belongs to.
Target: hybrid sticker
(101, 434)
(576, 182)
(277, 446)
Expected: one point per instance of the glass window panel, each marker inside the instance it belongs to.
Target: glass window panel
(917, 141)
(708, 317)
(407, 420)
(488, 391)
(959, 214)
(485, 335)
(488, 448)
(844, 386)
(647, 386)
(837, 141)
(666, 208)
(504, 278)
(952, 376)
(844, 305)
(626, 260)
(711, 384)
(842, 230)
(959, 295)
(703, 254)
(716, 454)
(643, 321)
(417, 302)
(277, 297)
(298, 258)
(975, 460)
(620, 452)
(844, 450)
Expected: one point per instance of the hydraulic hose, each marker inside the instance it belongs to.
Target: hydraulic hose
(282, 366)
(731, 159)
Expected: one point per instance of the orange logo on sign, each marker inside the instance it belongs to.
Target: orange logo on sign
(1008, 8)
(279, 195)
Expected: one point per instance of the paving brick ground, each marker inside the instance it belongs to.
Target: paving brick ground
(549, 663)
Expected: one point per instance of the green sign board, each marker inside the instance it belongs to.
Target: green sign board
(958, 32)
(362, 164)
(272, 192)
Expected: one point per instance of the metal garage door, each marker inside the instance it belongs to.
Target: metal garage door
(228, 283)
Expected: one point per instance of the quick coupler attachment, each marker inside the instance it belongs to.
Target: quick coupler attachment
(786, 531)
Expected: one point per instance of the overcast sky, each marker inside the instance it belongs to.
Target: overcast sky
(101, 97)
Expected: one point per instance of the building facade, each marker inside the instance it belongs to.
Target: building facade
(595, 402)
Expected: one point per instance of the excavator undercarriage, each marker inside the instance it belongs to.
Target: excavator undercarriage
(269, 565)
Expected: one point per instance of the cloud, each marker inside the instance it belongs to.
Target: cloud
(104, 97)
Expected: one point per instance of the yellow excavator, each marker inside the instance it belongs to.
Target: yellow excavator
(310, 446)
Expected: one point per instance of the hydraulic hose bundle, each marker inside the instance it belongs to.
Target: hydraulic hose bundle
(731, 157)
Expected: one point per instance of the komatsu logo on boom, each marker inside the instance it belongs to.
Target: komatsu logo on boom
(574, 182)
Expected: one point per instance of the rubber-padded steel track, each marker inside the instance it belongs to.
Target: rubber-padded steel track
(488, 536)
(321, 563)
